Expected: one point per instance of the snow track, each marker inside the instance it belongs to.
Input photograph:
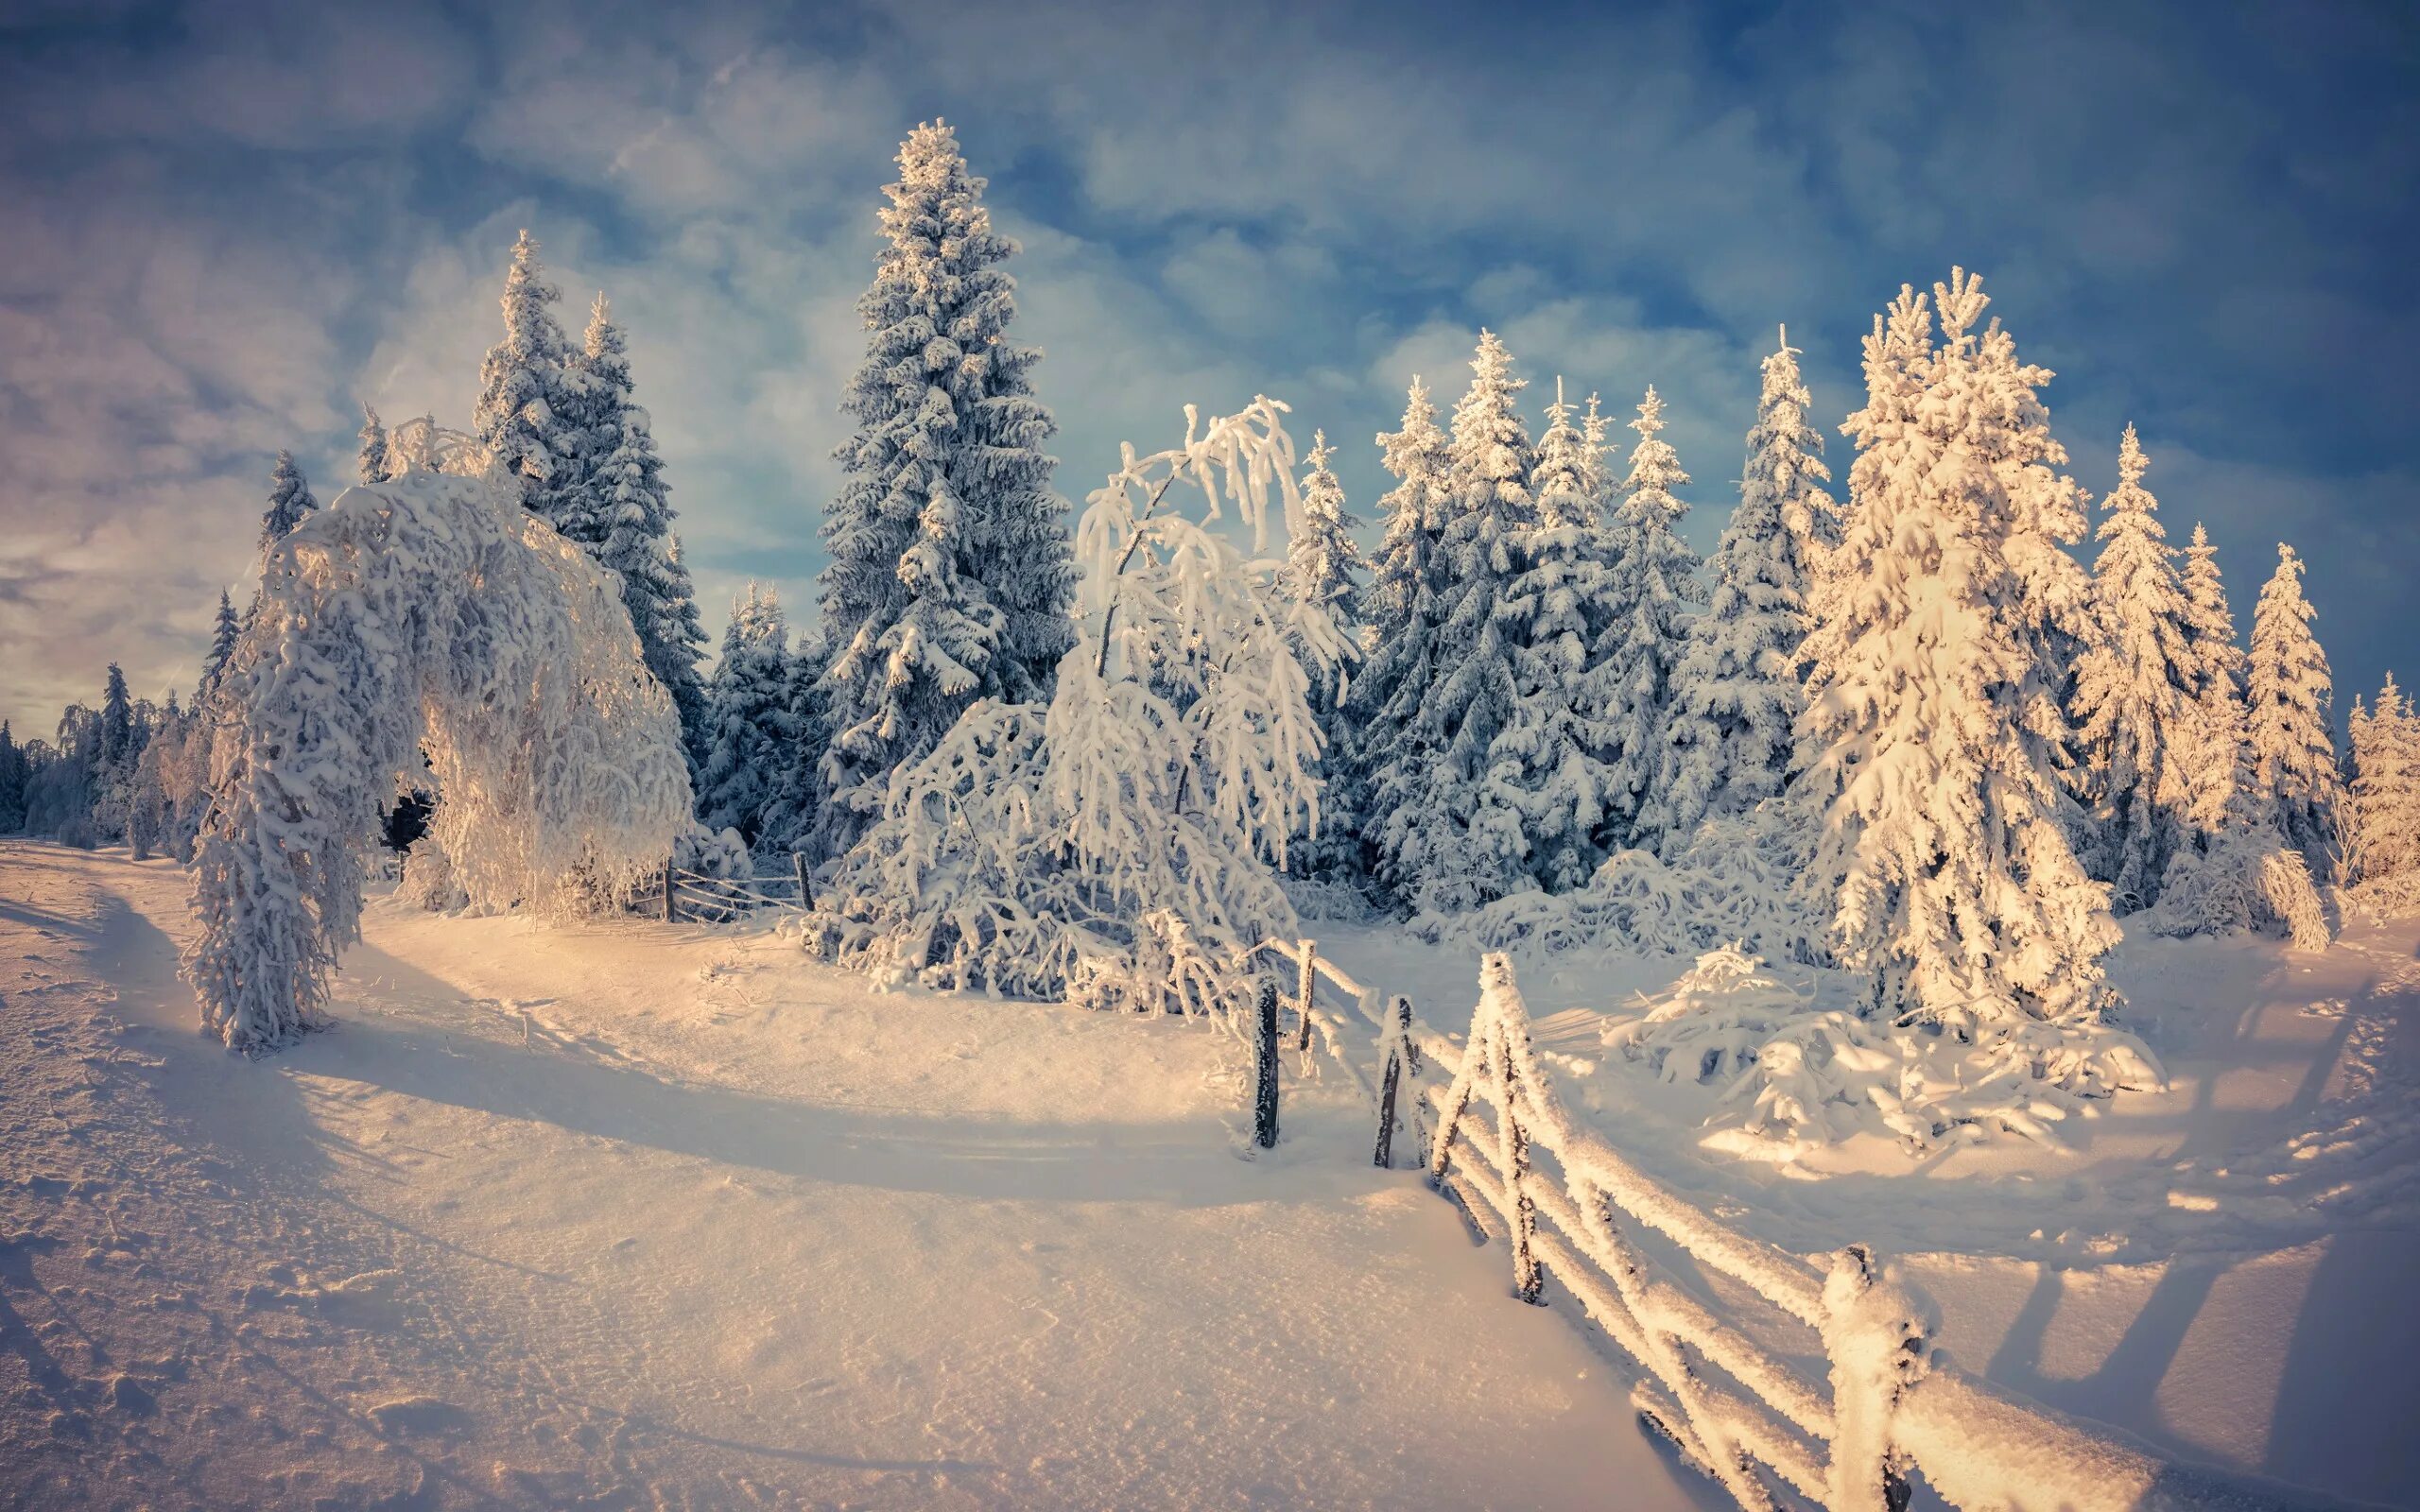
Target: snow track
(661, 1217)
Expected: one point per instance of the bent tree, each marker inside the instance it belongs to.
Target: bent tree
(429, 619)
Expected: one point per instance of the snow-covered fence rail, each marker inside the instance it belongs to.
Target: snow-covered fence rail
(1886, 1412)
(680, 893)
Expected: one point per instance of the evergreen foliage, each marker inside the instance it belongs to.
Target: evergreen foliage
(2289, 689)
(290, 501)
(951, 569)
(1654, 583)
(2132, 693)
(747, 717)
(1737, 693)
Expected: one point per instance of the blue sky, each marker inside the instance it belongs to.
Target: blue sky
(226, 224)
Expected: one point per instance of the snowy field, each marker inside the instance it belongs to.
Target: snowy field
(630, 1215)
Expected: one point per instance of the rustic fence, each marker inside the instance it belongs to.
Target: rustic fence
(677, 893)
(1811, 1382)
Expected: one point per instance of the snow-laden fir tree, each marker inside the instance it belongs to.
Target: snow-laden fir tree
(1384, 754)
(2288, 689)
(2214, 689)
(791, 814)
(746, 715)
(1323, 563)
(624, 516)
(2382, 804)
(1449, 838)
(2133, 698)
(520, 386)
(1547, 763)
(1654, 582)
(1933, 723)
(370, 462)
(1323, 573)
(1736, 692)
(224, 633)
(289, 500)
(951, 569)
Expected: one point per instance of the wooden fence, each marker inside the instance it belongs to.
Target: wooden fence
(1728, 1367)
(678, 895)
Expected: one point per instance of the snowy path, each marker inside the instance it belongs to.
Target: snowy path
(726, 1231)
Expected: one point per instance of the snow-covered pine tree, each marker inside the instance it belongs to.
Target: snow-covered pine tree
(2382, 807)
(1933, 722)
(2133, 705)
(951, 569)
(1323, 563)
(117, 719)
(790, 816)
(1449, 836)
(1547, 761)
(1736, 692)
(624, 517)
(289, 500)
(370, 462)
(1323, 573)
(1654, 581)
(1384, 757)
(521, 384)
(224, 633)
(2289, 689)
(2213, 688)
(748, 716)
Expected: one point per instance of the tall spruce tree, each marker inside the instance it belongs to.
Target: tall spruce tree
(791, 820)
(2289, 689)
(2132, 700)
(624, 519)
(224, 633)
(2214, 691)
(952, 571)
(2382, 808)
(1547, 761)
(1654, 581)
(1323, 565)
(1450, 841)
(1932, 725)
(520, 384)
(1322, 572)
(1737, 693)
(1385, 757)
(290, 501)
(371, 461)
(748, 715)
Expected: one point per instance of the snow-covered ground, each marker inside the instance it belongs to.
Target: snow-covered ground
(642, 1215)
(719, 1228)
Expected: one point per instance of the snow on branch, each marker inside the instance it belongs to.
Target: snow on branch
(428, 618)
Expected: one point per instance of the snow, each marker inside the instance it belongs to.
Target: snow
(729, 1230)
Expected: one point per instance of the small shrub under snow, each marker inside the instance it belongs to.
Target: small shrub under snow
(1793, 1078)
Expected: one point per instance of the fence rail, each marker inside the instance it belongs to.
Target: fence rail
(675, 890)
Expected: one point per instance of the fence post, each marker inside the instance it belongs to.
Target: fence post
(671, 915)
(1401, 1056)
(1508, 1029)
(1304, 982)
(1264, 1105)
(806, 894)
